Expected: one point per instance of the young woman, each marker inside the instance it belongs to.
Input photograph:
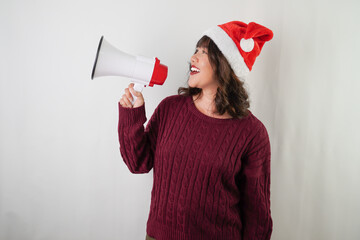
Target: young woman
(209, 153)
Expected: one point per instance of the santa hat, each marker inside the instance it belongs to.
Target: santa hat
(240, 43)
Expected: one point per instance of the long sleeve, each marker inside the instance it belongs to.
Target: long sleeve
(254, 185)
(137, 146)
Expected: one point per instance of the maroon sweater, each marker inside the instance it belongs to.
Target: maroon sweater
(211, 176)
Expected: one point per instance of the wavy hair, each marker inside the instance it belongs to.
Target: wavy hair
(231, 95)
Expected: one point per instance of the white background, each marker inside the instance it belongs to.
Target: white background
(61, 173)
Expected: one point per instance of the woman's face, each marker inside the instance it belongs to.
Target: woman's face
(204, 77)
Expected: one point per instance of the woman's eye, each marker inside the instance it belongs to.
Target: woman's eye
(202, 51)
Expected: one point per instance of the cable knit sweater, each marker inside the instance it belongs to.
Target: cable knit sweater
(211, 176)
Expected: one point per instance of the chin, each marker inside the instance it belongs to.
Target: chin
(192, 83)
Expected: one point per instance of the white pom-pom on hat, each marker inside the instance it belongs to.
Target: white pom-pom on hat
(247, 45)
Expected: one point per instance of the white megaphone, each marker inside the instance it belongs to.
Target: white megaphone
(142, 70)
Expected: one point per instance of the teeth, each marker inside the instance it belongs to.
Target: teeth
(195, 69)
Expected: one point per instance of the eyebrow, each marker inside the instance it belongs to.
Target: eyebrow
(204, 48)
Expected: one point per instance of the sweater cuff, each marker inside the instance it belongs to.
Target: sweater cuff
(131, 116)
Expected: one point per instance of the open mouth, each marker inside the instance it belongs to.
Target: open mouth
(194, 70)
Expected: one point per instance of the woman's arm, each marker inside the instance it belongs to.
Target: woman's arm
(137, 146)
(254, 185)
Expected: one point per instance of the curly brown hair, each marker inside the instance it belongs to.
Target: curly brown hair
(231, 95)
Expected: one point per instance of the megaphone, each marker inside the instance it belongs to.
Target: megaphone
(143, 71)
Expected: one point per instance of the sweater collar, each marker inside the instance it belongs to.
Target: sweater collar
(192, 107)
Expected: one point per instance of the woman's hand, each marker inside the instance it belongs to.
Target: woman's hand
(126, 98)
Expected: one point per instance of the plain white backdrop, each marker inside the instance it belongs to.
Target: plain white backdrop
(61, 173)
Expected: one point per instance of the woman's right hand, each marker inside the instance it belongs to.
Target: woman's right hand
(126, 98)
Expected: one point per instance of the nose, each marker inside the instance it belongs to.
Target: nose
(194, 58)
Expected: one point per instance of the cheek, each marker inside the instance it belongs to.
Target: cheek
(209, 67)
(209, 70)
(206, 67)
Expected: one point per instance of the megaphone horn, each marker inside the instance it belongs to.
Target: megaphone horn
(143, 71)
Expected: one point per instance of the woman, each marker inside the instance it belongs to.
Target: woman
(209, 153)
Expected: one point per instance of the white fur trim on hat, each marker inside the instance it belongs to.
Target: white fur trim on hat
(229, 49)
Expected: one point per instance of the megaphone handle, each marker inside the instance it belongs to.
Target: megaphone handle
(137, 87)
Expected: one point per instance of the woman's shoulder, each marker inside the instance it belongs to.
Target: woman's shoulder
(171, 99)
(175, 97)
(258, 128)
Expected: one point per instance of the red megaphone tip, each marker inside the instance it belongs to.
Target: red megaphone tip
(159, 74)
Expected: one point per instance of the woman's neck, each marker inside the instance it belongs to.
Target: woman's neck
(206, 105)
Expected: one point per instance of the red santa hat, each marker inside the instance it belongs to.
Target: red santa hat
(240, 43)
